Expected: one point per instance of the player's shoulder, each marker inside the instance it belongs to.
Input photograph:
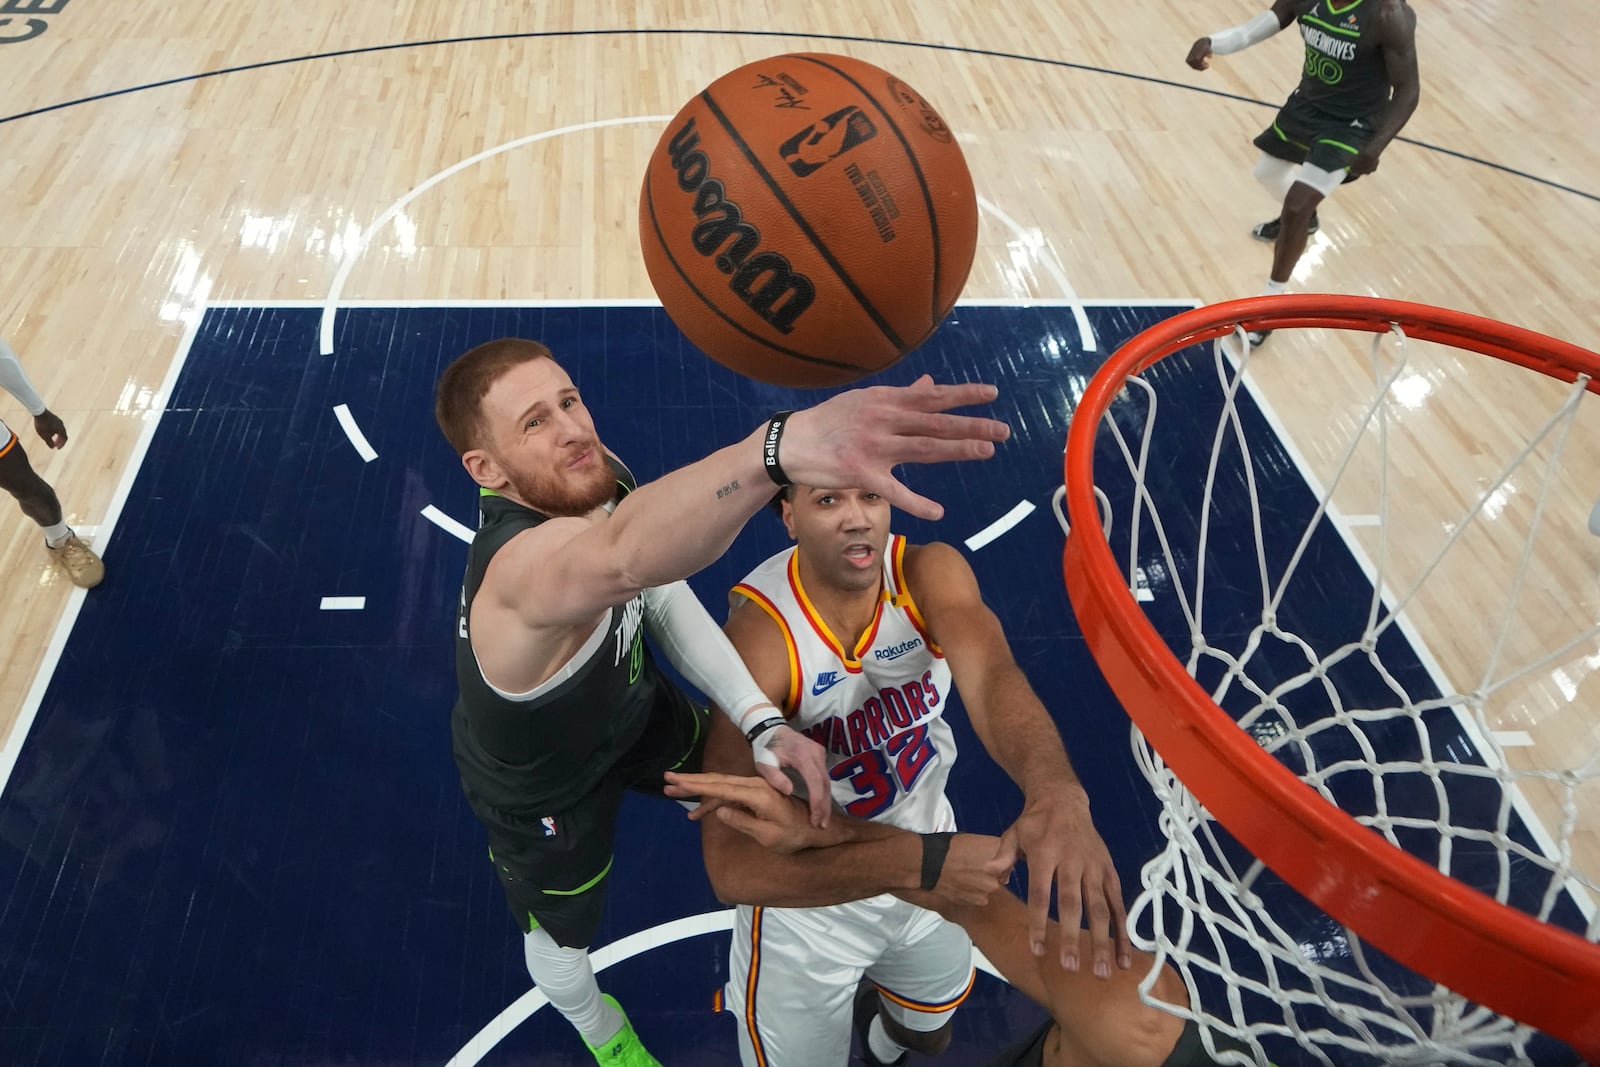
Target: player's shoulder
(1397, 17)
(934, 562)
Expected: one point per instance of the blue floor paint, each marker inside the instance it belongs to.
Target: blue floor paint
(235, 834)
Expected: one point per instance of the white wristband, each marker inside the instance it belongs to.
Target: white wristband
(1238, 38)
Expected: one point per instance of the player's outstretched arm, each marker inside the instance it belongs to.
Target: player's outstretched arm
(761, 848)
(566, 571)
(1054, 831)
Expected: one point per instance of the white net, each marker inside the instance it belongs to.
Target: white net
(1409, 633)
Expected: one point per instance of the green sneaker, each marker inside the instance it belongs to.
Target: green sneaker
(624, 1049)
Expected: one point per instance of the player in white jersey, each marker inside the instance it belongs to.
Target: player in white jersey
(858, 637)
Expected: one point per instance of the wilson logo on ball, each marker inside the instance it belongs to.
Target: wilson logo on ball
(763, 281)
(810, 149)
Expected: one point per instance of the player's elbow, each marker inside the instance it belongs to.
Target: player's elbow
(730, 885)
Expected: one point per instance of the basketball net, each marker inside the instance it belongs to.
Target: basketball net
(1262, 964)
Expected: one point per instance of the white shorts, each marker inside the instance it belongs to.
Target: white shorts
(793, 973)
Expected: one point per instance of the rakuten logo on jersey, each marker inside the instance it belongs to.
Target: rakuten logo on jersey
(896, 651)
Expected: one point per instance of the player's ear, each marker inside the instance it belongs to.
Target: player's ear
(786, 512)
(483, 468)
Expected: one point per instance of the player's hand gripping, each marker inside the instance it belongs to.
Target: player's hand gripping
(784, 748)
(858, 438)
(1200, 54)
(1058, 838)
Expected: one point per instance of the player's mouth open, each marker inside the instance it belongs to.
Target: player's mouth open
(860, 555)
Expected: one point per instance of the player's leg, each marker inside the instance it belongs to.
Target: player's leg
(555, 877)
(39, 502)
(792, 973)
(914, 988)
(1284, 146)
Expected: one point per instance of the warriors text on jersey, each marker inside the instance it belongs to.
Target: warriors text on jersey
(877, 706)
(1344, 75)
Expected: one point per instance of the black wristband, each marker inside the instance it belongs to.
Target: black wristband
(935, 847)
(769, 447)
(763, 726)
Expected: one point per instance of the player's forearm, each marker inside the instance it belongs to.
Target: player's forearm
(681, 523)
(871, 858)
(700, 650)
(15, 381)
(1019, 734)
(1401, 107)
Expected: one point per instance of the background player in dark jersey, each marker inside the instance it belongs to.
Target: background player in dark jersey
(562, 707)
(1358, 89)
(33, 493)
(1094, 1021)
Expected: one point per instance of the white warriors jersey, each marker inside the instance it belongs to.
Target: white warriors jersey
(876, 707)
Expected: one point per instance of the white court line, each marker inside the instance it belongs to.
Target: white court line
(1085, 334)
(119, 499)
(343, 603)
(359, 246)
(522, 1009)
(1000, 526)
(447, 524)
(1513, 738)
(363, 448)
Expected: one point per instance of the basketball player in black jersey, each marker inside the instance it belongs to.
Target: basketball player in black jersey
(1358, 89)
(1094, 1021)
(562, 707)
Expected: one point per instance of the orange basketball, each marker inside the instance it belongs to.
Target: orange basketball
(808, 219)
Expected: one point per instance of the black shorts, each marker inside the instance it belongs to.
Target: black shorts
(1303, 133)
(555, 876)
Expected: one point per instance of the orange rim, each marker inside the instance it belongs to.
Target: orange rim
(1497, 956)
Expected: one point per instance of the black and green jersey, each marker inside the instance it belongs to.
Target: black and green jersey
(521, 759)
(1345, 76)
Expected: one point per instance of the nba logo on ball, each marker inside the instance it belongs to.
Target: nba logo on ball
(808, 253)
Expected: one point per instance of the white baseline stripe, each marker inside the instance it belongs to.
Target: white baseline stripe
(999, 526)
(363, 447)
(447, 524)
(343, 603)
(119, 499)
(1513, 738)
(359, 246)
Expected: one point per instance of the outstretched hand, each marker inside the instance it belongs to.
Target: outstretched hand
(1058, 838)
(858, 438)
(1200, 54)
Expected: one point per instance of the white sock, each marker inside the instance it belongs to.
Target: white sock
(567, 978)
(1274, 288)
(55, 535)
(882, 1047)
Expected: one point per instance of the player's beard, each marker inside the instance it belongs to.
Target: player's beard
(567, 492)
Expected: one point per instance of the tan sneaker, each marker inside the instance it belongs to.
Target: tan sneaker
(79, 561)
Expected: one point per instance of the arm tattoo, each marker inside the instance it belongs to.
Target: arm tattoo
(729, 489)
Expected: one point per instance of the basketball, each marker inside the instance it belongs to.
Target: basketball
(807, 220)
